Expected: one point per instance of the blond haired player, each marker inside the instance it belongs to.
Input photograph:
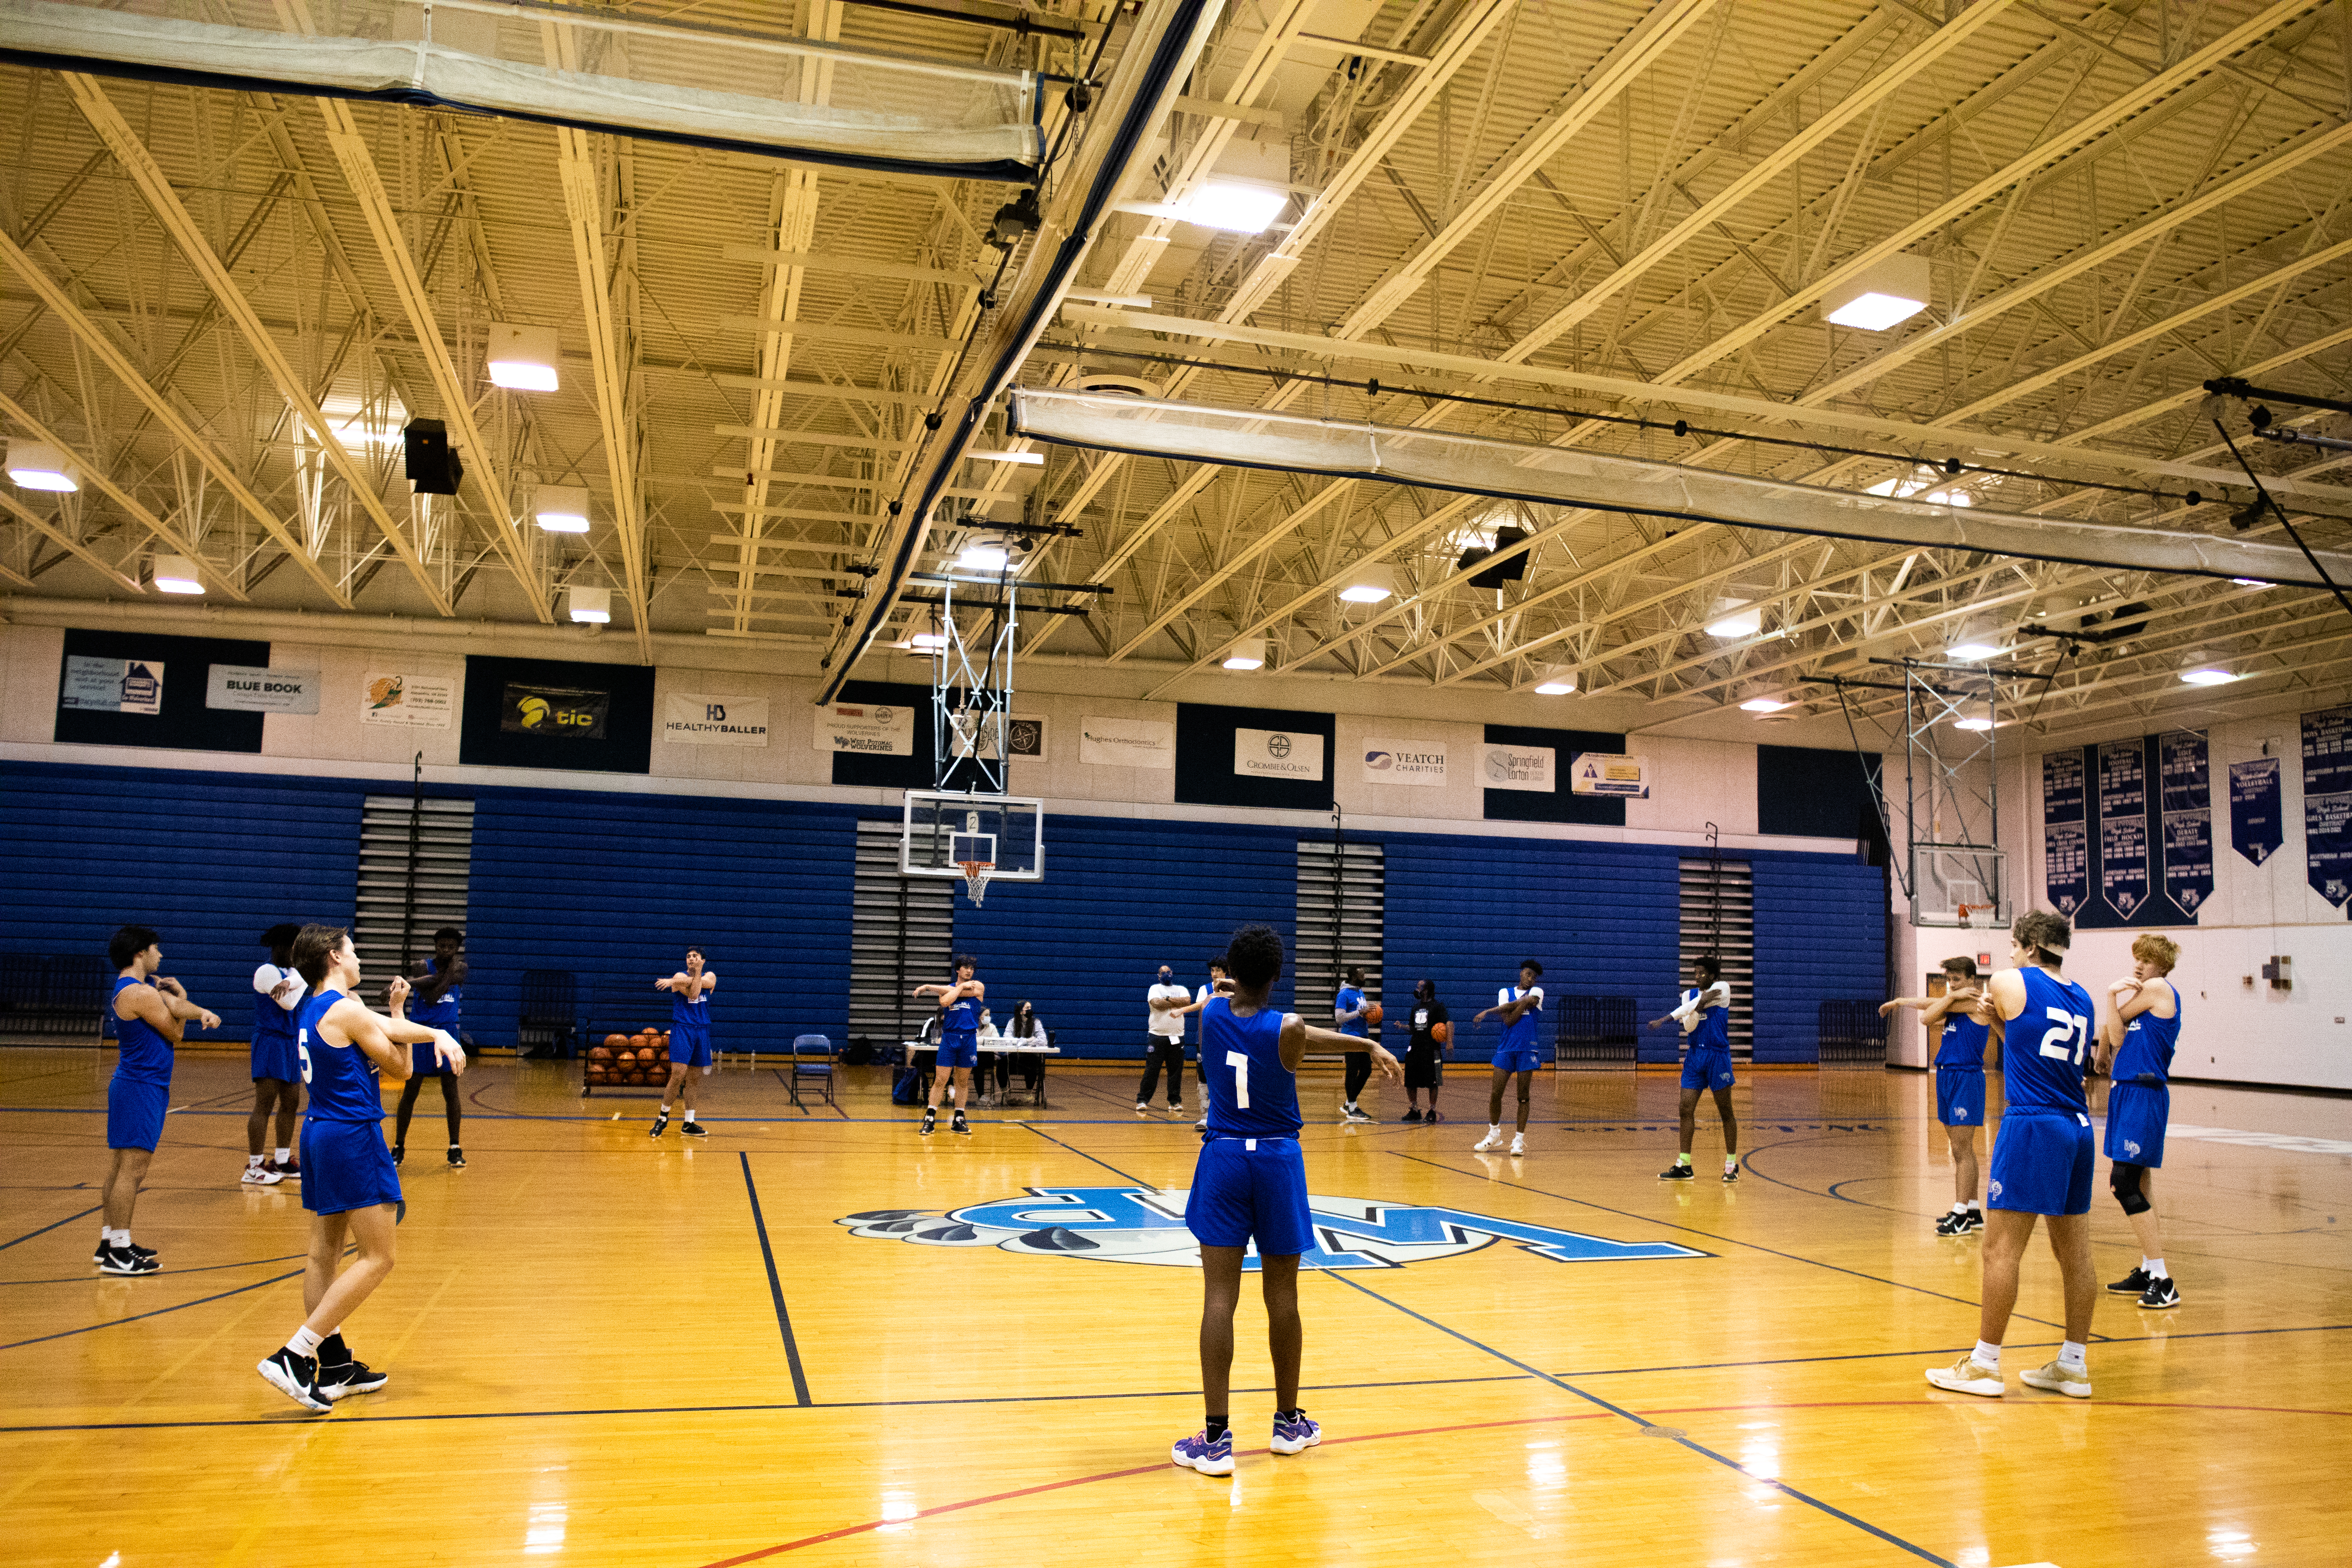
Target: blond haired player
(2137, 1031)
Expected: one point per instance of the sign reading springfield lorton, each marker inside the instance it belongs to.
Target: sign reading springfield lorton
(696, 720)
(1278, 754)
(1420, 762)
(1599, 772)
(875, 728)
(1516, 767)
(246, 690)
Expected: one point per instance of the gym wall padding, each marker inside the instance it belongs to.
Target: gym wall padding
(1809, 791)
(185, 723)
(914, 771)
(625, 747)
(1820, 936)
(1204, 758)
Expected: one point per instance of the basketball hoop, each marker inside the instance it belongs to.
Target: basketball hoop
(1974, 916)
(975, 877)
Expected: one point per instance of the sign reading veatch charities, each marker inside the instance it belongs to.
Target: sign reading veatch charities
(692, 719)
(416, 702)
(1418, 762)
(1126, 742)
(245, 689)
(1278, 754)
(869, 729)
(1516, 767)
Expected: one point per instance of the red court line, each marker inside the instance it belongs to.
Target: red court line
(1913, 1401)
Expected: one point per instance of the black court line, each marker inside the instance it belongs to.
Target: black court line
(1081, 1154)
(45, 1230)
(1726, 1240)
(200, 1269)
(776, 1288)
(93, 1327)
(2118, 1341)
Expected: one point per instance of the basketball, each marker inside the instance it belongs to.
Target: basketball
(1441, 1032)
(601, 1053)
(1373, 1014)
(616, 1041)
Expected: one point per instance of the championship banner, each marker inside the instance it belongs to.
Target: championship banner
(1519, 767)
(2185, 786)
(413, 702)
(244, 690)
(112, 685)
(1420, 763)
(1278, 754)
(2065, 838)
(878, 730)
(2257, 815)
(566, 713)
(2327, 803)
(691, 719)
(1126, 743)
(2123, 825)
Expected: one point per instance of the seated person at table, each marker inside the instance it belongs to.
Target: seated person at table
(1023, 1029)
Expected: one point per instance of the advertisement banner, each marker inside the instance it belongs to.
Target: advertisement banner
(2065, 838)
(880, 730)
(112, 685)
(1420, 763)
(1027, 738)
(566, 713)
(2257, 814)
(2327, 803)
(414, 701)
(2123, 825)
(2184, 781)
(1598, 773)
(692, 719)
(1517, 767)
(1126, 743)
(245, 689)
(1278, 754)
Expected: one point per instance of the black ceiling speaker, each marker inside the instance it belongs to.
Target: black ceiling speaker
(1515, 570)
(431, 465)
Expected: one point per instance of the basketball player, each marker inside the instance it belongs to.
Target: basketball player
(1432, 1031)
(1218, 985)
(1163, 1042)
(1706, 1017)
(1959, 1083)
(1250, 1185)
(436, 998)
(1347, 1012)
(689, 1038)
(1521, 1008)
(2141, 1027)
(960, 1003)
(276, 1071)
(150, 1014)
(348, 1181)
(2042, 1160)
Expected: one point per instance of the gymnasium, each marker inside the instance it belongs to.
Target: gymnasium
(658, 659)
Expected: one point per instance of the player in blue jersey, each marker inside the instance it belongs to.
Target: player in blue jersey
(1522, 1052)
(960, 1004)
(150, 1012)
(436, 997)
(689, 1038)
(2136, 1036)
(1250, 1186)
(276, 1076)
(348, 1181)
(1960, 1039)
(1705, 1014)
(2041, 1159)
(1350, 1012)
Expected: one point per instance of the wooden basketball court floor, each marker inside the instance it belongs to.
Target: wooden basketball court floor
(608, 1350)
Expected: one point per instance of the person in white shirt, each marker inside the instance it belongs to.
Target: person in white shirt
(276, 1068)
(1218, 984)
(1164, 1042)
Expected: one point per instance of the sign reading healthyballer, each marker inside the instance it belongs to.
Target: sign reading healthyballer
(554, 710)
(1418, 762)
(1278, 754)
(695, 720)
(881, 729)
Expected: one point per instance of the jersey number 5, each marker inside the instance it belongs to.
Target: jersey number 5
(1239, 1062)
(302, 1049)
(2069, 1026)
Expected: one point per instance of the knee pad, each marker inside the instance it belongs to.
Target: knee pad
(2123, 1180)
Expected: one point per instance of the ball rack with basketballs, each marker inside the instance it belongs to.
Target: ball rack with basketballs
(627, 1061)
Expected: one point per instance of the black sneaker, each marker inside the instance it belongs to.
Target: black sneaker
(2135, 1283)
(661, 1125)
(1677, 1173)
(692, 1129)
(930, 1120)
(1952, 1221)
(960, 1125)
(1414, 1114)
(399, 1153)
(1731, 1173)
(1356, 1114)
(290, 1168)
(295, 1378)
(456, 1158)
(349, 1377)
(1972, 1221)
(2160, 1292)
(123, 1260)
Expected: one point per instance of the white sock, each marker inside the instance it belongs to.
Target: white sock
(252, 1162)
(1494, 1129)
(1987, 1356)
(285, 1154)
(303, 1341)
(1959, 1206)
(2154, 1267)
(122, 1237)
(1975, 1207)
(2070, 1355)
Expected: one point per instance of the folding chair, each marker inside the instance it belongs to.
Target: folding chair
(815, 1072)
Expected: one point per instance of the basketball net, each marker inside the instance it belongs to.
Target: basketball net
(975, 877)
(1974, 916)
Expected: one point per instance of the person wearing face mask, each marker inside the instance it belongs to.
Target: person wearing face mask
(1432, 1031)
(1164, 1042)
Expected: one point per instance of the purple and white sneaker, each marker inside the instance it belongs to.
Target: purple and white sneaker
(1198, 1453)
(1293, 1433)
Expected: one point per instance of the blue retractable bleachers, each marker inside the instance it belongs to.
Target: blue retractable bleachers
(1821, 935)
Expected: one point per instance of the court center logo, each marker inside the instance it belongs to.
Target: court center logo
(1139, 1225)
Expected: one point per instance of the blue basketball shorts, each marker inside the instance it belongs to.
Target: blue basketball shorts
(277, 1058)
(424, 1063)
(689, 1048)
(345, 1166)
(134, 1112)
(1960, 1097)
(1250, 1188)
(2042, 1161)
(2136, 1119)
(1525, 1059)
(1708, 1070)
(958, 1048)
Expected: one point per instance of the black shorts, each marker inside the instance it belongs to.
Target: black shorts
(1422, 1067)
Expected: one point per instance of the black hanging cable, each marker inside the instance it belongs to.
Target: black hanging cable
(2280, 513)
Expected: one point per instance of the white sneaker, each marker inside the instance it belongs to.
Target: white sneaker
(256, 1177)
(1970, 1375)
(1493, 1141)
(1141, 1109)
(2057, 1377)
(1518, 1143)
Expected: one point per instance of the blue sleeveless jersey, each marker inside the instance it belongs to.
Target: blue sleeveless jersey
(1714, 1031)
(1962, 1044)
(341, 1079)
(2043, 1048)
(1255, 1097)
(2147, 1050)
(441, 1015)
(689, 1012)
(1524, 1032)
(961, 1016)
(1350, 1000)
(146, 1056)
(273, 1027)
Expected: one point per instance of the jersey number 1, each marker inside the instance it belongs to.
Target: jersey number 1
(2070, 1027)
(1239, 1062)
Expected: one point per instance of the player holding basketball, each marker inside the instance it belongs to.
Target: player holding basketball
(689, 1038)
(959, 1004)
(150, 1014)
(2042, 1160)
(1521, 1010)
(1432, 1031)
(1959, 1083)
(277, 1072)
(1351, 1013)
(348, 1181)
(436, 997)
(2137, 1035)
(1706, 1017)
(1251, 1184)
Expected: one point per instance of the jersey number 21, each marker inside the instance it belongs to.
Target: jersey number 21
(2069, 1028)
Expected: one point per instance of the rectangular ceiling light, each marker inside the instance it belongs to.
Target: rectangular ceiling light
(561, 508)
(37, 466)
(177, 575)
(523, 359)
(1881, 296)
(592, 607)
